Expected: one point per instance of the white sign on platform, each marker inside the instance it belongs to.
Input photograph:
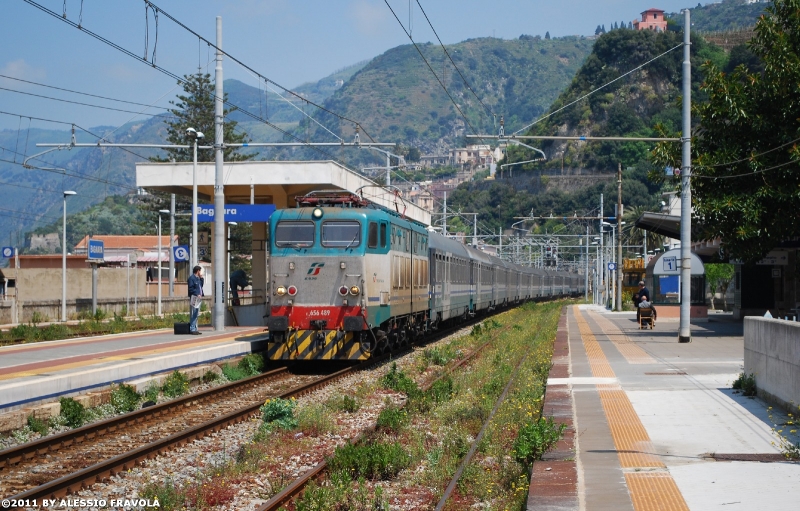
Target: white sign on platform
(670, 264)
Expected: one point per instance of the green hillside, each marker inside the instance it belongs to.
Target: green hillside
(397, 98)
(726, 15)
(631, 106)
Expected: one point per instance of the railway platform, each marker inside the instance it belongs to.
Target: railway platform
(655, 425)
(41, 372)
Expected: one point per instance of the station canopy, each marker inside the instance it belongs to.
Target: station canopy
(273, 182)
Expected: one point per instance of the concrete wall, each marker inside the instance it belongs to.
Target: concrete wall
(34, 284)
(772, 354)
(13, 311)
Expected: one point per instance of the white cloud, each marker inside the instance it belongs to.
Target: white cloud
(22, 70)
(369, 17)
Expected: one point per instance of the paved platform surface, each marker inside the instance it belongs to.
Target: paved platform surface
(650, 415)
(37, 372)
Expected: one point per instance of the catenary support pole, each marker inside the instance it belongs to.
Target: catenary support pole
(586, 277)
(172, 245)
(218, 320)
(619, 237)
(602, 267)
(686, 189)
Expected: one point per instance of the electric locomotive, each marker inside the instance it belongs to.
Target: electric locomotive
(346, 280)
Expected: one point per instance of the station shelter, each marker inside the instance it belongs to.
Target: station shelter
(267, 182)
(664, 281)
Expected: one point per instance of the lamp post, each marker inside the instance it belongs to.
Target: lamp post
(160, 211)
(194, 135)
(64, 260)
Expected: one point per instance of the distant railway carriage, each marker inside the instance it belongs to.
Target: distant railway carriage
(349, 280)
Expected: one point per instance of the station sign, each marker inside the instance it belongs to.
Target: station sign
(237, 212)
(8, 252)
(612, 266)
(96, 249)
(181, 253)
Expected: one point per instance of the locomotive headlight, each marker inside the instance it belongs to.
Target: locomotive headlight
(354, 290)
(280, 291)
(343, 290)
(292, 290)
(317, 213)
(342, 265)
(291, 265)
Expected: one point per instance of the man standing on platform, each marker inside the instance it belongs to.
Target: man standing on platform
(195, 298)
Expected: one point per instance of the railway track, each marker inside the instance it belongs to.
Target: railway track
(58, 465)
(318, 471)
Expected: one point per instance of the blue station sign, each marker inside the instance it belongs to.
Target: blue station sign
(237, 212)
(96, 249)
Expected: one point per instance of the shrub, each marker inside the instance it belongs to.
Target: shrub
(535, 438)
(210, 376)
(439, 356)
(348, 404)
(391, 418)
(441, 390)
(252, 364)
(233, 373)
(152, 392)
(279, 413)
(374, 461)
(38, 425)
(399, 381)
(37, 318)
(175, 385)
(168, 495)
(746, 383)
(73, 412)
(124, 398)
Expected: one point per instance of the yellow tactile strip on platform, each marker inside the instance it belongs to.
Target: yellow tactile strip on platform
(627, 348)
(655, 491)
(651, 490)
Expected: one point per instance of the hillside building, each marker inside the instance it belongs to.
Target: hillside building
(652, 19)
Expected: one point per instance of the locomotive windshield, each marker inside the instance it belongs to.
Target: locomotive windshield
(294, 234)
(341, 234)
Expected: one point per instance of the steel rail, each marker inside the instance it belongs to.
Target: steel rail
(27, 451)
(90, 475)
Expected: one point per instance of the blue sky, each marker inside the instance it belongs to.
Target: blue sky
(289, 41)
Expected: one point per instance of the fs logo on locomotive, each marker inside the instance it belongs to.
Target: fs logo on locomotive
(314, 270)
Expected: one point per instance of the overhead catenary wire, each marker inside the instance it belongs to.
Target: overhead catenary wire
(245, 66)
(453, 62)
(466, 120)
(180, 79)
(83, 104)
(620, 77)
(83, 93)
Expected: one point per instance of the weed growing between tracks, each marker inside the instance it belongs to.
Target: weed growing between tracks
(436, 428)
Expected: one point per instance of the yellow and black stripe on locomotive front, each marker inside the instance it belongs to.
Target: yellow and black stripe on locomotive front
(309, 345)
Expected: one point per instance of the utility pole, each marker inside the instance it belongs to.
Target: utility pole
(218, 318)
(171, 246)
(685, 334)
(619, 237)
(586, 277)
(602, 256)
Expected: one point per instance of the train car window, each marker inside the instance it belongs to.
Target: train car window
(372, 235)
(383, 235)
(294, 234)
(345, 234)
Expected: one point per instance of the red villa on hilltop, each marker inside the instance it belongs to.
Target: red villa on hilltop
(652, 19)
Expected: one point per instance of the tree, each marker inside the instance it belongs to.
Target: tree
(547, 35)
(193, 109)
(719, 277)
(598, 30)
(745, 153)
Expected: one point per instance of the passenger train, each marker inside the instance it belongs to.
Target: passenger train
(349, 279)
